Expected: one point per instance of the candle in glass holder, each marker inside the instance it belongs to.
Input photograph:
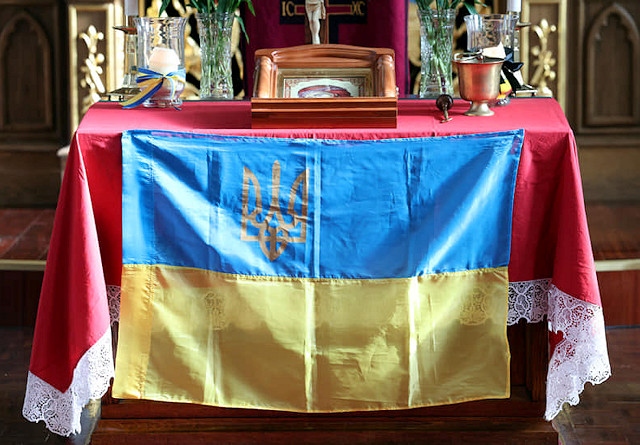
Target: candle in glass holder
(161, 51)
(163, 60)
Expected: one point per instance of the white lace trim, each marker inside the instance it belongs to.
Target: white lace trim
(582, 354)
(528, 300)
(61, 411)
(113, 297)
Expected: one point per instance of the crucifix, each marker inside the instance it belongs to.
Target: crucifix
(323, 17)
(316, 13)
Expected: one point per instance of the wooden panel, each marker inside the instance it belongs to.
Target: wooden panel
(615, 230)
(19, 295)
(352, 112)
(11, 291)
(608, 101)
(30, 54)
(32, 122)
(31, 297)
(317, 61)
(609, 173)
(274, 107)
(386, 432)
(620, 293)
(25, 58)
(615, 237)
(29, 179)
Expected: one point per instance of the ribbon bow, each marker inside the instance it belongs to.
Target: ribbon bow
(150, 82)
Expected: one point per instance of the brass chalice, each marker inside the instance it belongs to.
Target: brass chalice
(479, 81)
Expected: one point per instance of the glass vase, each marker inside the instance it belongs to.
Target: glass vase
(436, 52)
(214, 30)
(161, 73)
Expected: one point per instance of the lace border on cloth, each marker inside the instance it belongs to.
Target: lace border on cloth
(61, 411)
(581, 356)
(528, 300)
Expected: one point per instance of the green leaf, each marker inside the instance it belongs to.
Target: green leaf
(163, 7)
(250, 6)
(471, 5)
(244, 30)
(440, 5)
(195, 4)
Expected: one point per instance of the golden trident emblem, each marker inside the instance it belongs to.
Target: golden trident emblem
(275, 230)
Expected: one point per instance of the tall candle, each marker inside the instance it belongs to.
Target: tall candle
(130, 8)
(163, 60)
(514, 5)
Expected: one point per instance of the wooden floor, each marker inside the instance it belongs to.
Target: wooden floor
(607, 414)
(15, 347)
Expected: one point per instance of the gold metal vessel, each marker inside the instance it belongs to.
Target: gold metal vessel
(479, 81)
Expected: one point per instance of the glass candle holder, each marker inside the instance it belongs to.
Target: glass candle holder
(486, 31)
(161, 72)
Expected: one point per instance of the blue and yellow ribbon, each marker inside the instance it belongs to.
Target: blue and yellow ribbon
(150, 82)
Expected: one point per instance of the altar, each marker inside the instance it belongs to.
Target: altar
(555, 322)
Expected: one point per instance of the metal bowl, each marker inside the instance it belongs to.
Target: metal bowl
(479, 82)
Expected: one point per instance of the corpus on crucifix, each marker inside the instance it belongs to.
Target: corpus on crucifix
(315, 12)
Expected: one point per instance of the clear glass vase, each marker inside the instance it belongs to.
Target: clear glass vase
(214, 30)
(436, 52)
(161, 72)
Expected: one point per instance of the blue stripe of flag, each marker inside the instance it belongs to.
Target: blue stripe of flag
(376, 209)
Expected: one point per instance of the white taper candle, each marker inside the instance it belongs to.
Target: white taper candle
(130, 8)
(514, 5)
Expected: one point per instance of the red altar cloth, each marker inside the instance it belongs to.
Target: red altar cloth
(551, 271)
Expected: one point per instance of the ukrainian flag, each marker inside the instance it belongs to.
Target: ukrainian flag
(315, 275)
